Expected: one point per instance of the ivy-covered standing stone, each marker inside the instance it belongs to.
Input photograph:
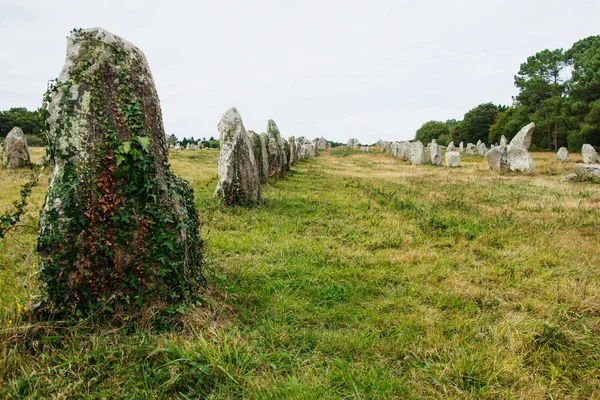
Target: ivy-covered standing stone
(118, 230)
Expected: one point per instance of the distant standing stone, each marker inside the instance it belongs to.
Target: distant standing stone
(293, 150)
(520, 160)
(503, 141)
(417, 153)
(461, 147)
(239, 182)
(481, 149)
(589, 155)
(497, 158)
(471, 149)
(523, 138)
(276, 151)
(261, 158)
(435, 153)
(452, 159)
(15, 153)
(451, 147)
(588, 170)
(562, 154)
(353, 144)
(518, 157)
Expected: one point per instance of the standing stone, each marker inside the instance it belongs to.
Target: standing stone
(497, 158)
(588, 171)
(503, 141)
(293, 150)
(286, 154)
(562, 154)
(481, 149)
(452, 159)
(15, 153)
(520, 160)
(461, 147)
(518, 157)
(353, 144)
(478, 143)
(405, 149)
(322, 143)
(417, 153)
(364, 149)
(239, 181)
(435, 153)
(589, 155)
(276, 151)
(261, 158)
(471, 149)
(451, 147)
(118, 231)
(523, 138)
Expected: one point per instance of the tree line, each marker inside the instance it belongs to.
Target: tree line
(558, 90)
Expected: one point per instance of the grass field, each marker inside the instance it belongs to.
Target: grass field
(359, 276)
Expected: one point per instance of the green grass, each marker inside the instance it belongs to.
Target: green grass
(358, 276)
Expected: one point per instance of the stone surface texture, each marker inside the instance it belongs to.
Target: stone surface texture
(239, 181)
(562, 154)
(417, 153)
(589, 155)
(452, 159)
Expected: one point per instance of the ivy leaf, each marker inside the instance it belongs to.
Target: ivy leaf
(144, 142)
(126, 147)
(120, 159)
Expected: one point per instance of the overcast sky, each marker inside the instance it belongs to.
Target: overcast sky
(333, 68)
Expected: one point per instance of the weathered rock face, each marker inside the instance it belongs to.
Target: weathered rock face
(118, 230)
(417, 153)
(15, 153)
(522, 139)
(471, 149)
(518, 157)
(435, 153)
(452, 159)
(277, 158)
(451, 147)
(562, 154)
(322, 143)
(286, 154)
(353, 144)
(308, 150)
(520, 160)
(293, 150)
(261, 158)
(587, 170)
(503, 141)
(239, 182)
(481, 149)
(497, 158)
(589, 155)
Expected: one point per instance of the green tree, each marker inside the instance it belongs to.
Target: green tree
(541, 84)
(431, 130)
(476, 123)
(508, 123)
(584, 89)
(19, 116)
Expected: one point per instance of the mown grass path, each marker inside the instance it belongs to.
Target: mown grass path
(358, 276)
